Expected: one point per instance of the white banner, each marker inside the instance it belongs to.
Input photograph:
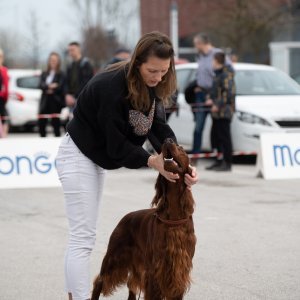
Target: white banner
(279, 155)
(28, 162)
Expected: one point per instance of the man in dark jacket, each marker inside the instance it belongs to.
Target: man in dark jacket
(79, 72)
(222, 108)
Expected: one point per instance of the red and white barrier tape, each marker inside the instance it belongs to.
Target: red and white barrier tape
(196, 155)
(48, 116)
(194, 108)
(40, 116)
(215, 154)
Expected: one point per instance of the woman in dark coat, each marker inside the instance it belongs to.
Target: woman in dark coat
(52, 99)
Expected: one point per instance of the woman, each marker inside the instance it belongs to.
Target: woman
(115, 113)
(3, 96)
(52, 100)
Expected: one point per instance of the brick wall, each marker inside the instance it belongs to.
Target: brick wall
(155, 15)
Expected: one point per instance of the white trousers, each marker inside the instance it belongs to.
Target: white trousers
(82, 182)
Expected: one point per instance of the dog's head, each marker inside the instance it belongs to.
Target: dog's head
(175, 158)
(176, 161)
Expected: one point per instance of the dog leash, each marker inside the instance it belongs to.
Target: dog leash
(172, 222)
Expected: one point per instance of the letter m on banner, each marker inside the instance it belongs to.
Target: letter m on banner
(284, 152)
(279, 155)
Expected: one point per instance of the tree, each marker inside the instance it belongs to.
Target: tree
(34, 40)
(245, 26)
(97, 40)
(93, 37)
(9, 43)
(97, 45)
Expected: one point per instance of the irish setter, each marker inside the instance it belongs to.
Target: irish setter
(152, 249)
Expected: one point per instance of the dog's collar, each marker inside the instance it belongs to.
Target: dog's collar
(172, 222)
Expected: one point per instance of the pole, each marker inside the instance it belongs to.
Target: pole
(174, 27)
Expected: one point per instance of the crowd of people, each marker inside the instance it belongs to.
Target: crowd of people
(111, 118)
(59, 88)
(212, 92)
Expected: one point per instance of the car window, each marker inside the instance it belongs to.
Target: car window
(264, 82)
(29, 82)
(183, 78)
(297, 78)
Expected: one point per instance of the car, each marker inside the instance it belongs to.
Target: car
(24, 98)
(267, 100)
(296, 77)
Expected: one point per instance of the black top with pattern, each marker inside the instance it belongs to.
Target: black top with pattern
(109, 131)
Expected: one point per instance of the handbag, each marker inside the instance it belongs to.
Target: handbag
(189, 93)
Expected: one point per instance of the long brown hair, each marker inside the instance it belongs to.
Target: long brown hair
(151, 44)
(58, 62)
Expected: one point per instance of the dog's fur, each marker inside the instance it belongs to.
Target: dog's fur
(148, 249)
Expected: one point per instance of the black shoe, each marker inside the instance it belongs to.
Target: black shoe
(216, 164)
(223, 167)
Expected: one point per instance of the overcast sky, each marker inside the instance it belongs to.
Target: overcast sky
(55, 19)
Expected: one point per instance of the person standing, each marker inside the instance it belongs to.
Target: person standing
(222, 108)
(52, 99)
(115, 113)
(79, 72)
(4, 80)
(204, 81)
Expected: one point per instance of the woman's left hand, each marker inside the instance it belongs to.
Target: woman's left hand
(191, 179)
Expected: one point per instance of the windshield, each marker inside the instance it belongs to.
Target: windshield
(265, 82)
(29, 82)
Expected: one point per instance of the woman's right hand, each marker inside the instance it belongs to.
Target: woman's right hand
(157, 162)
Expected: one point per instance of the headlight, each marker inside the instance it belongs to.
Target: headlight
(251, 119)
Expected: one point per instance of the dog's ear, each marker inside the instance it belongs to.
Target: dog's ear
(160, 190)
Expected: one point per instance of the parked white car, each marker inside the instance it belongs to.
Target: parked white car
(24, 97)
(267, 100)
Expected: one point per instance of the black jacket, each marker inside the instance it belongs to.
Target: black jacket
(85, 73)
(101, 127)
(52, 103)
(223, 93)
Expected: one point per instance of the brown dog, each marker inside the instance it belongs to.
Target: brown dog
(151, 250)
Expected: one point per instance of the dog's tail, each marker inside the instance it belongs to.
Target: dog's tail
(97, 289)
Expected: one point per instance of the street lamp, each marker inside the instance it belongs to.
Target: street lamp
(174, 27)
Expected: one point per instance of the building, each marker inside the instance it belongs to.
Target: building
(155, 15)
(221, 19)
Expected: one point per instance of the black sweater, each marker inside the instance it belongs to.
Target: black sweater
(84, 74)
(101, 126)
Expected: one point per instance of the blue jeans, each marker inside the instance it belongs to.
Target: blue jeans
(200, 117)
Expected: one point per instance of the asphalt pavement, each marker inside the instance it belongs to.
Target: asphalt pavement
(247, 229)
